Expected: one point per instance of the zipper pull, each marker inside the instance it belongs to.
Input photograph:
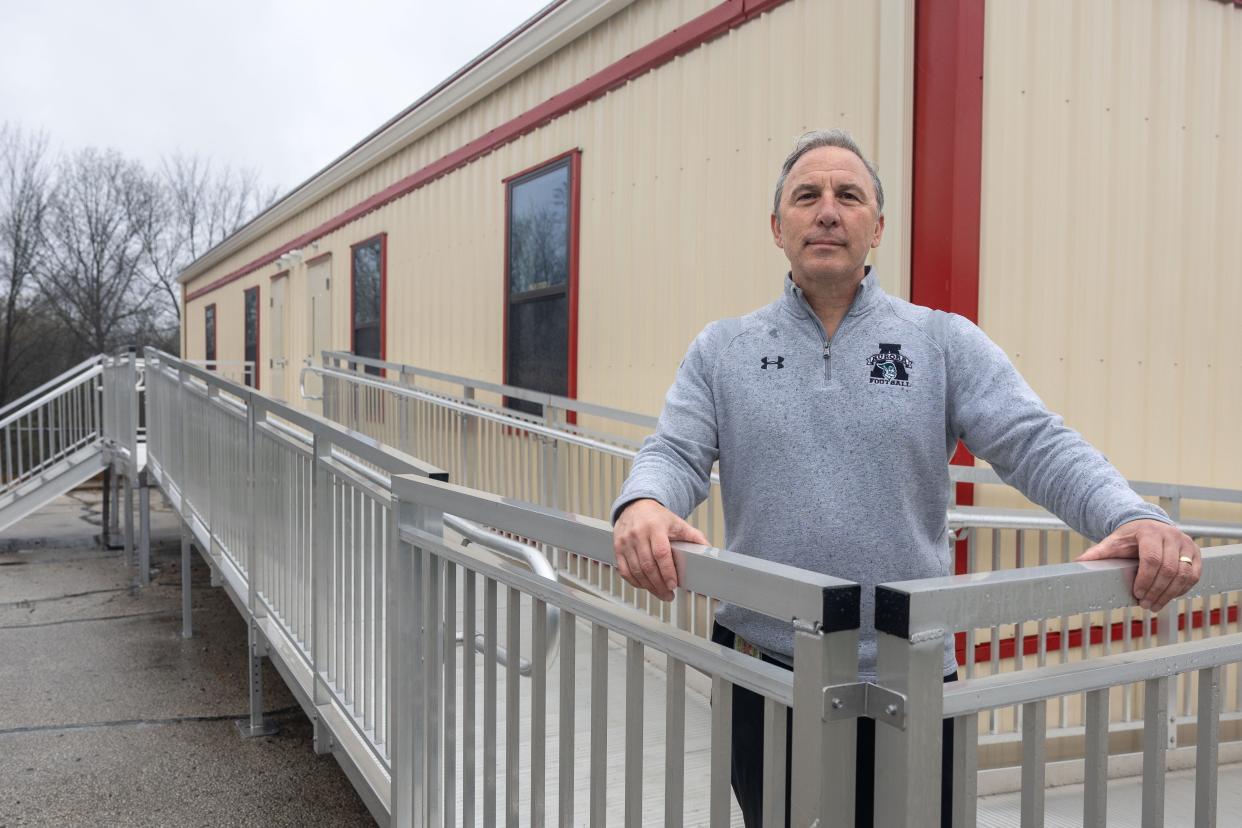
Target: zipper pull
(827, 350)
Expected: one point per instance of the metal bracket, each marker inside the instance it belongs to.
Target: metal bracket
(849, 701)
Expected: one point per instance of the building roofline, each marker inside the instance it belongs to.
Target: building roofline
(548, 30)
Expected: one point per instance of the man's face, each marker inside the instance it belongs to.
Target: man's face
(829, 218)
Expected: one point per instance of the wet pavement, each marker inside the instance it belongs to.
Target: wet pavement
(109, 718)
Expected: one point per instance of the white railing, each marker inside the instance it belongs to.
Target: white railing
(912, 619)
(345, 556)
(356, 599)
(50, 425)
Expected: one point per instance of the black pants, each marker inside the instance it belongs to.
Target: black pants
(747, 764)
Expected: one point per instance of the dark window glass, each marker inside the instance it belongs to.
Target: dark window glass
(539, 348)
(252, 337)
(539, 231)
(538, 270)
(368, 279)
(210, 326)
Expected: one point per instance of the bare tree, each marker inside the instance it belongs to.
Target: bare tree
(93, 274)
(24, 191)
(202, 206)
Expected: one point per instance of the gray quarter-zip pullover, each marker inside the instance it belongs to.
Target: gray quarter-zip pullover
(834, 453)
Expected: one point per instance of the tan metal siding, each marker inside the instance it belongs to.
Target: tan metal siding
(1111, 263)
(674, 220)
(632, 28)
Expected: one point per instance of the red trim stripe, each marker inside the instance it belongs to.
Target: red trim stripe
(1116, 632)
(706, 27)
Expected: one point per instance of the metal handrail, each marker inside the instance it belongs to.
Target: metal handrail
(512, 421)
(524, 394)
(34, 405)
(55, 381)
(984, 475)
(964, 518)
(472, 532)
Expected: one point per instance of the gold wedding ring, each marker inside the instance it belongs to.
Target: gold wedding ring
(1186, 559)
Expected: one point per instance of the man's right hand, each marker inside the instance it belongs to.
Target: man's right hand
(642, 540)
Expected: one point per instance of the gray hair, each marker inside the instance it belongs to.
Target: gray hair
(824, 138)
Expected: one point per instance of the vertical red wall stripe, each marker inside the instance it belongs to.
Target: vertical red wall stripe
(948, 169)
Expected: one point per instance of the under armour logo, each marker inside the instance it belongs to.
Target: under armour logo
(779, 362)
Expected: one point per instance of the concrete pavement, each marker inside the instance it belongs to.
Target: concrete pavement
(109, 718)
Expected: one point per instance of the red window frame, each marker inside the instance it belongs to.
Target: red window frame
(383, 320)
(258, 316)
(209, 335)
(575, 210)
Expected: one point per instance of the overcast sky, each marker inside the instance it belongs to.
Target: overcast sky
(283, 86)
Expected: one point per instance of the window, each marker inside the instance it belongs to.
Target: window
(541, 264)
(209, 326)
(251, 375)
(368, 264)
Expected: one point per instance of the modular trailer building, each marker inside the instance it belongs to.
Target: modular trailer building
(567, 211)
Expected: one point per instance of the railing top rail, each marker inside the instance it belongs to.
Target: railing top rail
(771, 588)
(932, 606)
(512, 420)
(985, 476)
(84, 365)
(333, 434)
(1021, 686)
(563, 403)
(989, 517)
(34, 405)
(752, 673)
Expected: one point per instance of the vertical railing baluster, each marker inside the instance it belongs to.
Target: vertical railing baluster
(775, 724)
(538, 710)
(675, 737)
(489, 703)
(1034, 733)
(965, 770)
(720, 795)
(1095, 753)
(1207, 747)
(513, 631)
(565, 753)
(599, 724)
(1155, 746)
(468, 660)
(634, 734)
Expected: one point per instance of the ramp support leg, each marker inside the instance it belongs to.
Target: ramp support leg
(144, 530)
(187, 610)
(129, 519)
(114, 492)
(105, 525)
(257, 724)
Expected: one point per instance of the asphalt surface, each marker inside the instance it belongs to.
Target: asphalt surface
(109, 718)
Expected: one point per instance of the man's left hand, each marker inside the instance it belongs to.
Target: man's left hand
(1161, 549)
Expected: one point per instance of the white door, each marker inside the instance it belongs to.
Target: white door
(278, 346)
(319, 282)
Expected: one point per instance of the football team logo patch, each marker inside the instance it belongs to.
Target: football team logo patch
(890, 366)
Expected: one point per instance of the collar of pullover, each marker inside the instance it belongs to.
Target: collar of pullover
(865, 298)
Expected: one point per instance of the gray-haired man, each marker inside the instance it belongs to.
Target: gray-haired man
(833, 413)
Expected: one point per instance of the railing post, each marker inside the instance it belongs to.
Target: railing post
(187, 610)
(550, 476)
(144, 528)
(128, 483)
(910, 664)
(823, 750)
(412, 684)
(469, 442)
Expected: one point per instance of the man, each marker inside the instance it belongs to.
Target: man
(833, 413)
